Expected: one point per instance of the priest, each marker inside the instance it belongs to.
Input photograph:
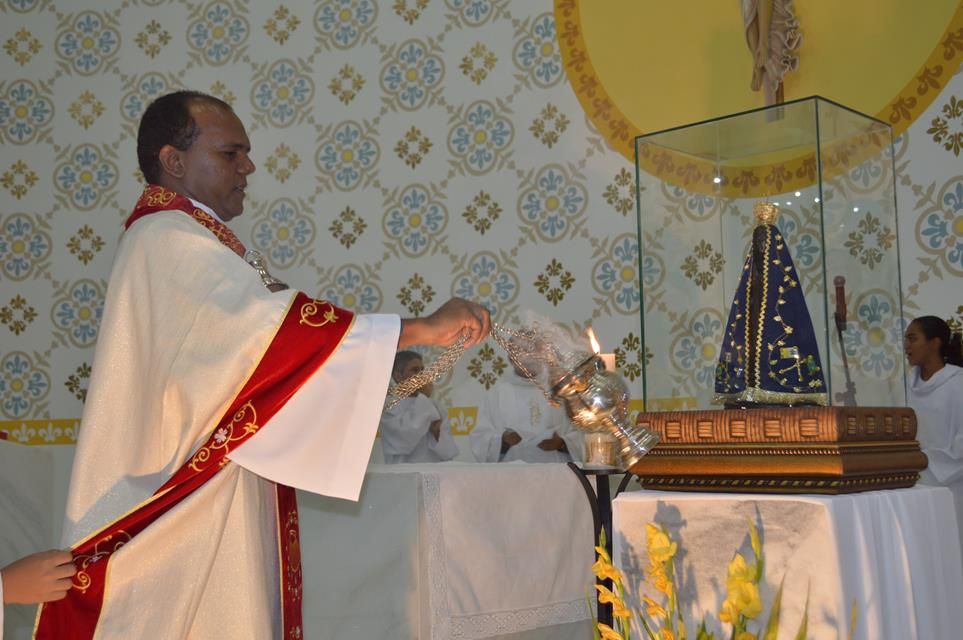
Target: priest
(216, 390)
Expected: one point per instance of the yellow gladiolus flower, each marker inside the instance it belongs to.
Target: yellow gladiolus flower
(606, 596)
(663, 584)
(606, 571)
(667, 634)
(739, 571)
(608, 633)
(658, 544)
(619, 610)
(653, 608)
(742, 599)
(603, 553)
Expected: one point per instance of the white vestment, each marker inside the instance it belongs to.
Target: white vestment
(405, 436)
(938, 403)
(185, 323)
(519, 405)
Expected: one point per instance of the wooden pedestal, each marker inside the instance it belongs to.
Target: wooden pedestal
(783, 450)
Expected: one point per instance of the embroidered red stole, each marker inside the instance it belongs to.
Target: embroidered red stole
(309, 333)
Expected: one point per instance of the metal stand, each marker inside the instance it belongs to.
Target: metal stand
(600, 501)
(848, 397)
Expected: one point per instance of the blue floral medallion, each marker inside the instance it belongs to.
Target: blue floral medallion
(22, 385)
(23, 112)
(414, 220)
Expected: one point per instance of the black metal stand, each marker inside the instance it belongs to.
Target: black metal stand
(600, 501)
(848, 397)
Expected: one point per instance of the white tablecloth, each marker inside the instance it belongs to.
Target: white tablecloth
(894, 553)
(430, 551)
(450, 551)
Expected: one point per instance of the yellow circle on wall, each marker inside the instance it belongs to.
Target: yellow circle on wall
(640, 66)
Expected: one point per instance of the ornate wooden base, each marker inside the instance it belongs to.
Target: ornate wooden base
(783, 450)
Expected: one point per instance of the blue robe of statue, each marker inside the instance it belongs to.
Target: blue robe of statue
(769, 353)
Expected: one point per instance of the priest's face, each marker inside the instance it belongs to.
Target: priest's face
(918, 347)
(216, 165)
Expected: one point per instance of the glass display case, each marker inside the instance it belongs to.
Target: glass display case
(830, 172)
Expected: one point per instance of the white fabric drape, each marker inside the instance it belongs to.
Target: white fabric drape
(893, 553)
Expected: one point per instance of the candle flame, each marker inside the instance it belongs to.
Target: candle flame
(595, 343)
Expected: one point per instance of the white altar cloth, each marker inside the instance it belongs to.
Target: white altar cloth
(894, 553)
(450, 551)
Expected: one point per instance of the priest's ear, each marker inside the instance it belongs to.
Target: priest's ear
(171, 160)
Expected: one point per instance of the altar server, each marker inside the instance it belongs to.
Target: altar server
(416, 429)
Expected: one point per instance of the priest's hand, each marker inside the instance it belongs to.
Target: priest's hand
(453, 319)
(39, 577)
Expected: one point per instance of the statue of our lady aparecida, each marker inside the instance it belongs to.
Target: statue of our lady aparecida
(769, 353)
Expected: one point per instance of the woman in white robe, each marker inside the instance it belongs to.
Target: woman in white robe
(936, 395)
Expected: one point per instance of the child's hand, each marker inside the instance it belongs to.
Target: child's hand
(39, 577)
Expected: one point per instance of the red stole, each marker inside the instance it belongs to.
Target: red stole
(309, 333)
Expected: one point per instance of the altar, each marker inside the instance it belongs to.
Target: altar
(891, 558)
(450, 551)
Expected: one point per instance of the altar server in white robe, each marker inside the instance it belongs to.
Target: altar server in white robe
(516, 422)
(416, 428)
(936, 395)
(187, 329)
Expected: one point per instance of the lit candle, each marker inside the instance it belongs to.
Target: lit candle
(609, 360)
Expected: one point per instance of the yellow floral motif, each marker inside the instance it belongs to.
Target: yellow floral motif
(152, 39)
(554, 292)
(487, 367)
(478, 63)
(347, 227)
(550, 124)
(416, 294)
(9, 312)
(158, 197)
(310, 309)
(282, 162)
(22, 46)
(86, 109)
(281, 25)
(620, 194)
(482, 212)
(103, 548)
(951, 138)
(80, 249)
(409, 14)
(413, 147)
(220, 90)
(346, 85)
(13, 185)
(224, 436)
(703, 273)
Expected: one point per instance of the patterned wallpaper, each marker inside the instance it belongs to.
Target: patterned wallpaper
(407, 151)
